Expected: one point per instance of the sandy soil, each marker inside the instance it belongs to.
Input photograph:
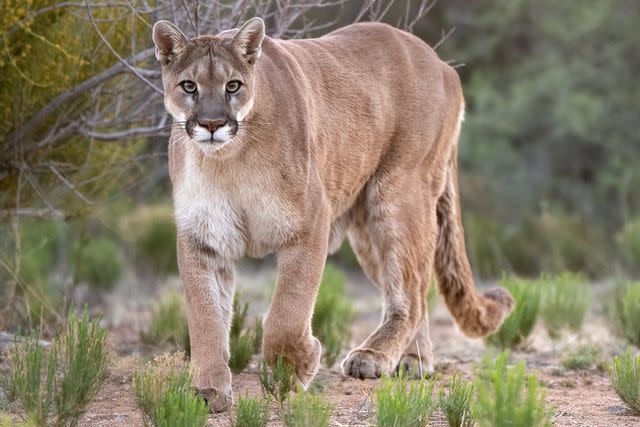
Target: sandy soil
(581, 398)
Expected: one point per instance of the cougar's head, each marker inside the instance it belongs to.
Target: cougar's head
(208, 81)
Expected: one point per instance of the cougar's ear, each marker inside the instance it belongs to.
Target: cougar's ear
(248, 39)
(169, 41)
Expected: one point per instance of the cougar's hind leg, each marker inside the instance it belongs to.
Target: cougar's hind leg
(394, 236)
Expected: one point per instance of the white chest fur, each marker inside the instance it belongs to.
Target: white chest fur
(231, 220)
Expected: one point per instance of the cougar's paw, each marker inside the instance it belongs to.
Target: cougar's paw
(415, 367)
(503, 298)
(218, 400)
(214, 385)
(304, 356)
(367, 363)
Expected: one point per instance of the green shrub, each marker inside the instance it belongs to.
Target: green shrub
(243, 343)
(168, 320)
(628, 240)
(277, 380)
(40, 242)
(165, 396)
(459, 405)
(151, 231)
(631, 314)
(519, 325)
(99, 263)
(624, 373)
(307, 410)
(581, 358)
(485, 239)
(332, 314)
(614, 307)
(58, 383)
(565, 300)
(509, 397)
(251, 412)
(401, 402)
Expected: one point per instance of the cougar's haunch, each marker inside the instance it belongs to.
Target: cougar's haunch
(285, 146)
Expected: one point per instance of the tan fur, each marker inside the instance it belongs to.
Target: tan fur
(354, 132)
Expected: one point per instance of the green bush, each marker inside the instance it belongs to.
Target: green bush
(99, 263)
(459, 405)
(631, 314)
(565, 300)
(509, 397)
(519, 325)
(58, 383)
(168, 320)
(251, 412)
(243, 343)
(614, 307)
(151, 230)
(485, 240)
(277, 380)
(165, 396)
(307, 410)
(40, 241)
(628, 240)
(581, 358)
(401, 402)
(624, 373)
(332, 314)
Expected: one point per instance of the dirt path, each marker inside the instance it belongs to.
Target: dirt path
(581, 398)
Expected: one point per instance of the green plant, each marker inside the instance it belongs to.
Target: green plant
(459, 405)
(518, 326)
(401, 402)
(164, 394)
(99, 263)
(307, 410)
(332, 314)
(565, 300)
(277, 379)
(251, 412)
(628, 240)
(509, 397)
(624, 374)
(614, 307)
(631, 314)
(583, 357)
(243, 343)
(59, 382)
(152, 233)
(168, 320)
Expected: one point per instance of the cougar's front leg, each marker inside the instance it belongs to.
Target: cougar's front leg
(287, 327)
(208, 286)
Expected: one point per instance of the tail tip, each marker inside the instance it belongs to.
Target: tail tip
(503, 299)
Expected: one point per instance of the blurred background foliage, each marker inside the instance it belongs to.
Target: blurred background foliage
(549, 153)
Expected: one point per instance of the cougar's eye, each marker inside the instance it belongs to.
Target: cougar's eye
(189, 86)
(233, 86)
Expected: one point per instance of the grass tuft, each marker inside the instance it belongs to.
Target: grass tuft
(307, 410)
(631, 313)
(243, 343)
(165, 396)
(332, 314)
(581, 358)
(57, 383)
(624, 374)
(565, 300)
(251, 412)
(459, 405)
(509, 397)
(168, 321)
(518, 326)
(404, 403)
(277, 380)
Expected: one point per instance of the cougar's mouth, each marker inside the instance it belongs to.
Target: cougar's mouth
(221, 135)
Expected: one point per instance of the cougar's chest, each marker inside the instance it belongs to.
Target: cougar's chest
(232, 219)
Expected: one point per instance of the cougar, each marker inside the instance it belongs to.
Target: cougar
(285, 147)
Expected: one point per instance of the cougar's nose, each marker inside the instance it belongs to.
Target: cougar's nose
(212, 125)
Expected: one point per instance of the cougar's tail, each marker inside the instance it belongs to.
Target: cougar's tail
(476, 314)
